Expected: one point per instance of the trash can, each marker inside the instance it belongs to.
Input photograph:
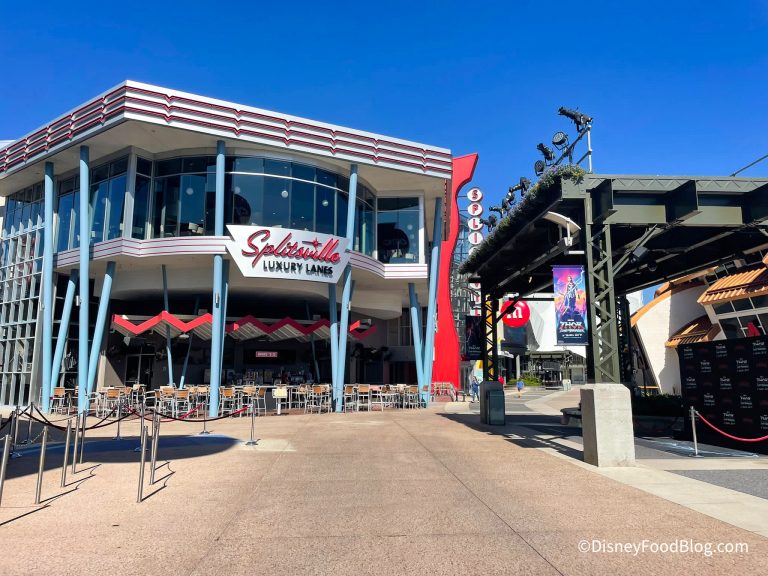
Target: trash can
(491, 403)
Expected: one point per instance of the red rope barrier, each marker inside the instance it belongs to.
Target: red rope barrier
(731, 436)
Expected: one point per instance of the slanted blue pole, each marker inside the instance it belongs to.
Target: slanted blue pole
(101, 322)
(218, 296)
(434, 271)
(61, 339)
(85, 245)
(168, 349)
(225, 291)
(346, 295)
(418, 346)
(333, 316)
(47, 287)
(183, 376)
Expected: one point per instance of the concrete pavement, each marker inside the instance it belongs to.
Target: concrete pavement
(399, 492)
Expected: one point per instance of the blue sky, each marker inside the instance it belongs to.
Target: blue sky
(674, 87)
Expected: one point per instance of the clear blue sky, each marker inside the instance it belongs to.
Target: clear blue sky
(674, 87)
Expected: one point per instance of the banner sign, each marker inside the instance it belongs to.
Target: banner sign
(473, 337)
(262, 252)
(727, 382)
(570, 305)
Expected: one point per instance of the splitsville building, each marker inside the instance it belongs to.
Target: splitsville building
(156, 237)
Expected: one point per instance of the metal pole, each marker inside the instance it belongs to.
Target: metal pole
(142, 461)
(47, 288)
(66, 453)
(119, 418)
(82, 436)
(252, 442)
(4, 463)
(205, 430)
(155, 436)
(75, 447)
(15, 426)
(41, 469)
(85, 257)
(29, 425)
(693, 427)
(589, 148)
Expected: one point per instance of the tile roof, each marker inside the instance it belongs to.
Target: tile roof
(700, 330)
(737, 286)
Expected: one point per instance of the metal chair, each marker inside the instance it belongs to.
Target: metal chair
(60, 400)
(229, 400)
(364, 396)
(350, 398)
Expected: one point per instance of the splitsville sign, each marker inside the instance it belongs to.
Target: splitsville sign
(262, 252)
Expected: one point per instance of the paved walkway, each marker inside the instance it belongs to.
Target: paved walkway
(421, 492)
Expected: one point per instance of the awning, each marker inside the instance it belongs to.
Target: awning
(700, 330)
(736, 287)
(246, 328)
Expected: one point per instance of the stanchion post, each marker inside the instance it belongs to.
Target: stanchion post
(29, 424)
(205, 428)
(15, 428)
(142, 461)
(66, 453)
(155, 439)
(82, 436)
(693, 428)
(4, 463)
(252, 441)
(76, 445)
(41, 468)
(119, 415)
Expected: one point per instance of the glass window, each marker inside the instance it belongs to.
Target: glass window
(276, 197)
(341, 214)
(118, 167)
(192, 212)
(144, 166)
(327, 178)
(723, 308)
(325, 210)
(64, 210)
(99, 194)
(198, 164)
(303, 172)
(252, 165)
(398, 230)
(277, 167)
(248, 199)
(731, 328)
(165, 167)
(116, 201)
(302, 205)
(99, 173)
(140, 207)
(760, 301)
(751, 325)
(166, 209)
(742, 304)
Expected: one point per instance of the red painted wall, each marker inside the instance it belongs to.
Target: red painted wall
(445, 367)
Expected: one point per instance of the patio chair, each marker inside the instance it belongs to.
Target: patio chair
(60, 400)
(182, 402)
(364, 396)
(229, 400)
(164, 401)
(411, 397)
(350, 398)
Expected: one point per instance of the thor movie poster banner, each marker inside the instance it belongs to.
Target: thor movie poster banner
(474, 335)
(570, 305)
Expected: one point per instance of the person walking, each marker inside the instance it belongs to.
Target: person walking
(520, 386)
(474, 388)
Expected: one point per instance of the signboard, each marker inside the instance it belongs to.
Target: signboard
(475, 223)
(280, 392)
(266, 354)
(474, 194)
(473, 337)
(262, 252)
(475, 238)
(475, 209)
(570, 305)
(516, 317)
(727, 382)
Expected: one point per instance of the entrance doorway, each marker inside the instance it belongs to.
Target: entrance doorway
(138, 367)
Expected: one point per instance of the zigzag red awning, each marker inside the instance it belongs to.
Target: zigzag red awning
(246, 328)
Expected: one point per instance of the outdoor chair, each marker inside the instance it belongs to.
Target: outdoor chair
(350, 398)
(364, 396)
(182, 402)
(411, 397)
(248, 397)
(229, 400)
(164, 401)
(60, 400)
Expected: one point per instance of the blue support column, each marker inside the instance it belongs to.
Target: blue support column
(346, 296)
(85, 245)
(168, 349)
(101, 322)
(418, 346)
(434, 271)
(218, 296)
(47, 286)
(61, 339)
(333, 316)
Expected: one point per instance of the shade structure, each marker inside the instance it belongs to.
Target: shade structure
(246, 328)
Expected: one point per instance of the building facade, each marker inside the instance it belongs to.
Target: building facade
(157, 237)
